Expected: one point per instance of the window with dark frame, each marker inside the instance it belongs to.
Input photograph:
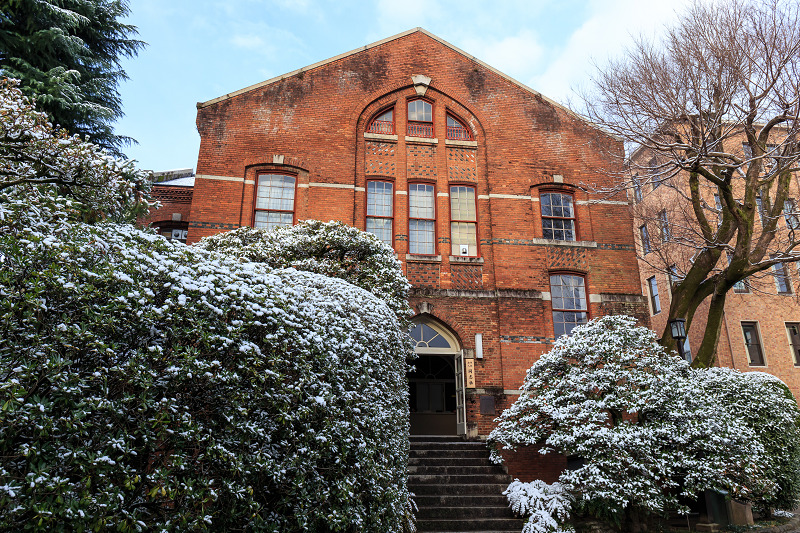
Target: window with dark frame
(463, 221)
(274, 201)
(421, 219)
(456, 131)
(741, 286)
(783, 283)
(652, 288)
(558, 216)
(420, 118)
(663, 223)
(790, 214)
(718, 206)
(383, 123)
(637, 187)
(760, 207)
(568, 297)
(793, 331)
(380, 201)
(674, 276)
(643, 233)
(752, 342)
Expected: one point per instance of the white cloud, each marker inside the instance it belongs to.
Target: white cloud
(248, 41)
(611, 26)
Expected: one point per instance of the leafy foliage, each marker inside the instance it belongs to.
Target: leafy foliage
(333, 249)
(546, 506)
(766, 405)
(146, 385)
(638, 418)
(38, 164)
(67, 54)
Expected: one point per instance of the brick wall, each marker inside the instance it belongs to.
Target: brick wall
(312, 125)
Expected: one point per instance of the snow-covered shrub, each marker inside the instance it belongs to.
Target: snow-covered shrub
(647, 433)
(766, 405)
(148, 385)
(546, 506)
(39, 163)
(330, 248)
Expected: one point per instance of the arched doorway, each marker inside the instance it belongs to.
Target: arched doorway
(436, 386)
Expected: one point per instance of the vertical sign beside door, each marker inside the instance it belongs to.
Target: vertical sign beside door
(461, 411)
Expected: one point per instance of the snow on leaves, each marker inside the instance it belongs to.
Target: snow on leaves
(149, 385)
(639, 418)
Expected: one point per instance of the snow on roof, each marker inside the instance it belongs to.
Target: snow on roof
(187, 181)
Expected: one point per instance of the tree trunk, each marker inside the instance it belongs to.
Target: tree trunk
(707, 353)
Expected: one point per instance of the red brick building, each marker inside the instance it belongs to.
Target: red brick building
(480, 184)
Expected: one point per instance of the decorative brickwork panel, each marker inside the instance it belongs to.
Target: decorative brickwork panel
(461, 165)
(421, 161)
(566, 258)
(423, 274)
(380, 159)
(466, 276)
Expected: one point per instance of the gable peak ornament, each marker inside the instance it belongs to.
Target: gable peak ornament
(421, 83)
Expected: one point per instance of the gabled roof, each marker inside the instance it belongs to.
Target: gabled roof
(201, 105)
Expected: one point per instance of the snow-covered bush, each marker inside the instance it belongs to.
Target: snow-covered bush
(638, 418)
(146, 385)
(330, 248)
(766, 405)
(546, 506)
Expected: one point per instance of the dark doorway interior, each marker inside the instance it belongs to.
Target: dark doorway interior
(432, 395)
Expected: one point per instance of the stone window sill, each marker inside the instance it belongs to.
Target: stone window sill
(380, 137)
(423, 140)
(463, 144)
(424, 258)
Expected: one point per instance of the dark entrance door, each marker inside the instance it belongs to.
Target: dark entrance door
(432, 397)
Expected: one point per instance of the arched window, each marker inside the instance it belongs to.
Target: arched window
(558, 216)
(383, 123)
(425, 337)
(420, 118)
(456, 130)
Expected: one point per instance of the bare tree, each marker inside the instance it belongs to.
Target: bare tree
(711, 111)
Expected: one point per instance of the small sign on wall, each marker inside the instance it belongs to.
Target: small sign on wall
(469, 372)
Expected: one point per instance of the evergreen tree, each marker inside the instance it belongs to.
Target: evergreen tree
(67, 55)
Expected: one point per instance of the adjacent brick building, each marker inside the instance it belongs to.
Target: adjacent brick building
(761, 324)
(481, 185)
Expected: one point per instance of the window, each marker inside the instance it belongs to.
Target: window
(752, 342)
(456, 130)
(637, 188)
(652, 287)
(421, 219)
(663, 223)
(793, 331)
(687, 350)
(274, 201)
(645, 239)
(674, 276)
(790, 214)
(420, 119)
(463, 220)
(653, 168)
(718, 205)
(383, 123)
(379, 210)
(558, 216)
(739, 287)
(760, 206)
(569, 302)
(783, 283)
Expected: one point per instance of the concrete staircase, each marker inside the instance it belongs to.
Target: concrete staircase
(457, 488)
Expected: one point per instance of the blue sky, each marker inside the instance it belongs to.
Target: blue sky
(201, 49)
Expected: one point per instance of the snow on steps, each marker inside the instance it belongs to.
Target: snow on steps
(457, 489)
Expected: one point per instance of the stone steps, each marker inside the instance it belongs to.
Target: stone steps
(457, 489)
